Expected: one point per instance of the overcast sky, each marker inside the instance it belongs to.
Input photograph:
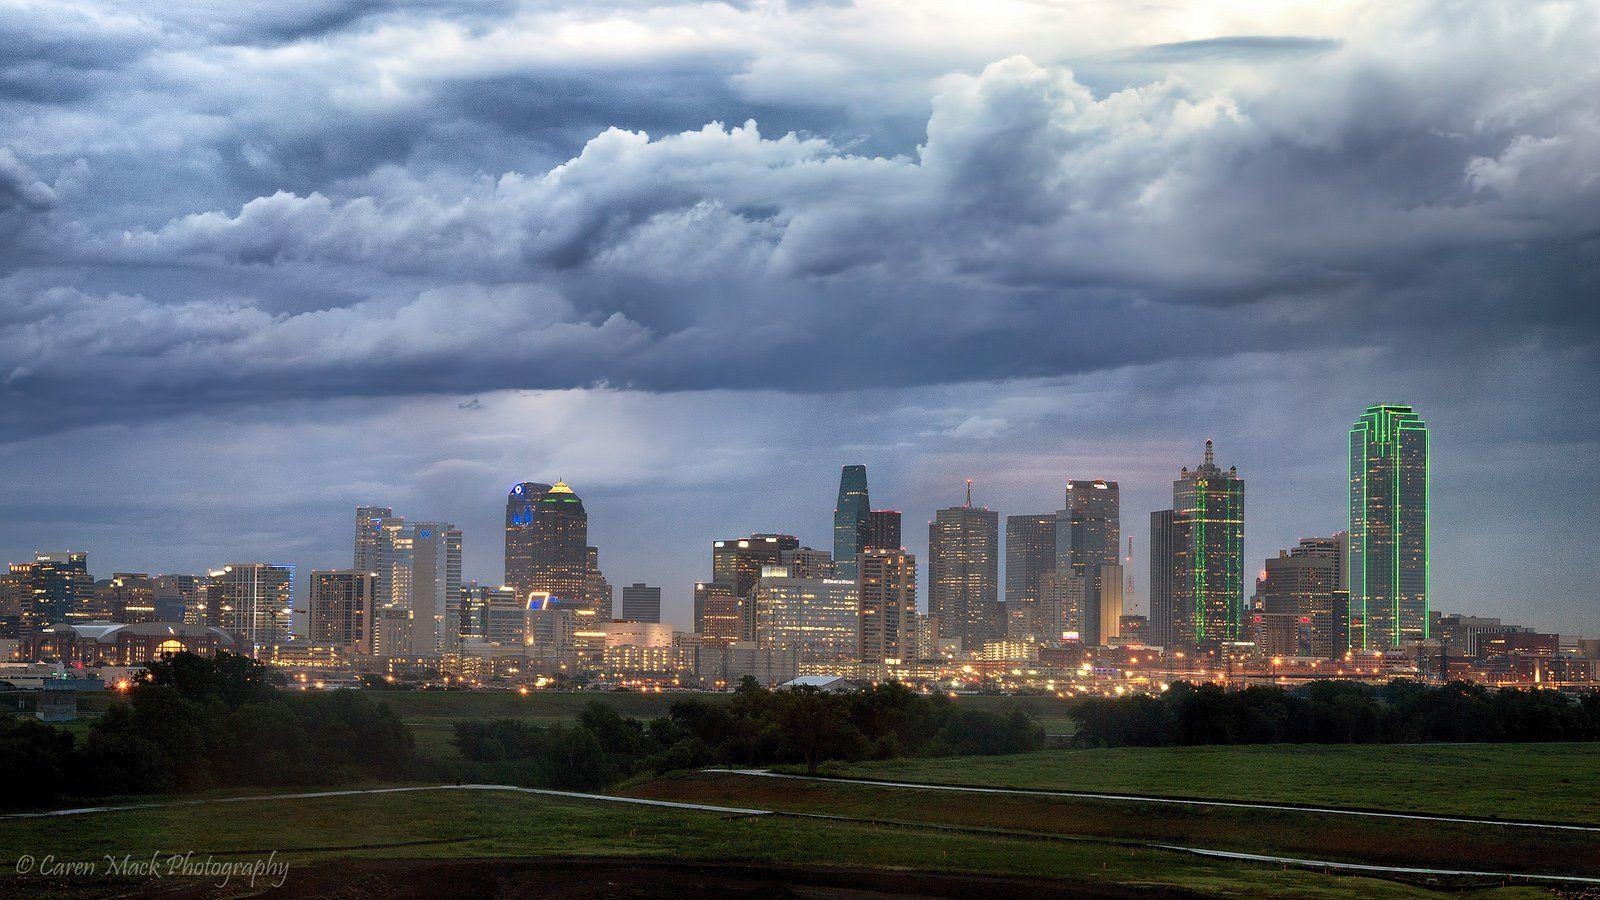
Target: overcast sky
(260, 266)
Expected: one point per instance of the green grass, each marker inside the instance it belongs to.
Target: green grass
(480, 825)
(1554, 782)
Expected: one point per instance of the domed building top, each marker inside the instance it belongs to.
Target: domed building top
(560, 487)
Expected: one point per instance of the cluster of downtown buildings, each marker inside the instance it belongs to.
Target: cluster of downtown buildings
(1352, 604)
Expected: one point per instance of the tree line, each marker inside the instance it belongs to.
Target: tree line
(757, 726)
(1335, 712)
(194, 724)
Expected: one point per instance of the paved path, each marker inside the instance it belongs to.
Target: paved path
(741, 811)
(571, 795)
(1138, 798)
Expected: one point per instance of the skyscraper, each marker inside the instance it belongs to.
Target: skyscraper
(719, 616)
(886, 585)
(883, 529)
(341, 609)
(817, 617)
(369, 534)
(737, 563)
(641, 603)
(1089, 536)
(1197, 558)
(558, 546)
(598, 594)
(1168, 557)
(1030, 553)
(522, 508)
(435, 587)
(850, 518)
(53, 588)
(1306, 583)
(254, 601)
(806, 562)
(964, 573)
(1388, 528)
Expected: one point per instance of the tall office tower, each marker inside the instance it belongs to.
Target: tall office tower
(1088, 536)
(254, 600)
(341, 609)
(558, 546)
(738, 564)
(816, 617)
(522, 509)
(1030, 553)
(883, 529)
(886, 586)
(1306, 583)
(1168, 558)
(1388, 528)
(55, 587)
(850, 517)
(964, 573)
(127, 597)
(369, 537)
(435, 587)
(718, 614)
(599, 595)
(1206, 582)
(641, 603)
(807, 562)
(1109, 603)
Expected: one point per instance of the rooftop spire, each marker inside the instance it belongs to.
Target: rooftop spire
(969, 493)
(1210, 459)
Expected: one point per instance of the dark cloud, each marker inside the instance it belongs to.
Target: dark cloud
(209, 216)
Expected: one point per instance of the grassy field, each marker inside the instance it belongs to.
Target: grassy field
(456, 825)
(1553, 782)
(1292, 833)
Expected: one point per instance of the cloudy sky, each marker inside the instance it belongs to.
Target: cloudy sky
(259, 267)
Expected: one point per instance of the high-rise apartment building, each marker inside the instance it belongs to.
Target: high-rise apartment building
(964, 573)
(369, 537)
(1388, 528)
(1088, 536)
(254, 600)
(850, 520)
(522, 509)
(1306, 583)
(641, 603)
(599, 595)
(886, 586)
(340, 605)
(1197, 558)
(128, 597)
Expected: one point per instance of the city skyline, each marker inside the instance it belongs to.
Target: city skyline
(677, 606)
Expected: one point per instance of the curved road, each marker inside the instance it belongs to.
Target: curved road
(1138, 798)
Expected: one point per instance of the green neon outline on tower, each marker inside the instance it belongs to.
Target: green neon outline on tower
(1390, 527)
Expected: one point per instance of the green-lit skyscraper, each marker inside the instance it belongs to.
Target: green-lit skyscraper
(1197, 559)
(1388, 528)
(851, 520)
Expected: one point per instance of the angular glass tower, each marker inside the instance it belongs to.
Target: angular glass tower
(850, 514)
(1388, 528)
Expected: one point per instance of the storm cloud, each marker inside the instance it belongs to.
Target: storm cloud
(367, 203)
